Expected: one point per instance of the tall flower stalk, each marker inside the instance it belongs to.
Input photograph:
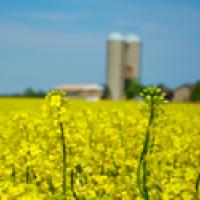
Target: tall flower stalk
(197, 193)
(153, 99)
(57, 103)
(64, 160)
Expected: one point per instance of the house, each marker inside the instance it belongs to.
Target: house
(91, 92)
(182, 93)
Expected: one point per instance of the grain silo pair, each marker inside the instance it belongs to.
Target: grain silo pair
(123, 62)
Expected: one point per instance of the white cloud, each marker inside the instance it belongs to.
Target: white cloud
(14, 33)
(144, 26)
(46, 16)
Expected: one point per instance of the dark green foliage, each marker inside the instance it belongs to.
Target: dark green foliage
(132, 89)
(168, 91)
(195, 93)
(29, 92)
(106, 92)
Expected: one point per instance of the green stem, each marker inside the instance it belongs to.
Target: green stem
(197, 186)
(27, 172)
(14, 174)
(64, 155)
(72, 184)
(51, 187)
(142, 184)
(145, 172)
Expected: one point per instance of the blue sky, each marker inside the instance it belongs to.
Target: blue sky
(44, 43)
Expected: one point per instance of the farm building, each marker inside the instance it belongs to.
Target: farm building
(182, 93)
(90, 92)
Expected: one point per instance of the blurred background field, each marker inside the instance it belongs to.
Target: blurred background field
(10, 104)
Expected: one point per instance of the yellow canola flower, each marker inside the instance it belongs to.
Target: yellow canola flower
(55, 101)
(103, 143)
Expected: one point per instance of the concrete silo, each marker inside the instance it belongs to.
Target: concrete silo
(115, 71)
(132, 57)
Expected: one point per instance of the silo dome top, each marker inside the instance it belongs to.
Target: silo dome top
(115, 36)
(132, 38)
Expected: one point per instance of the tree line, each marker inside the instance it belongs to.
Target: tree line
(28, 92)
(133, 88)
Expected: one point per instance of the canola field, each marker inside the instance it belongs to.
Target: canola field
(59, 149)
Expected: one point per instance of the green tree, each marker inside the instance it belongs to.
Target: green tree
(132, 89)
(29, 92)
(195, 93)
(106, 92)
